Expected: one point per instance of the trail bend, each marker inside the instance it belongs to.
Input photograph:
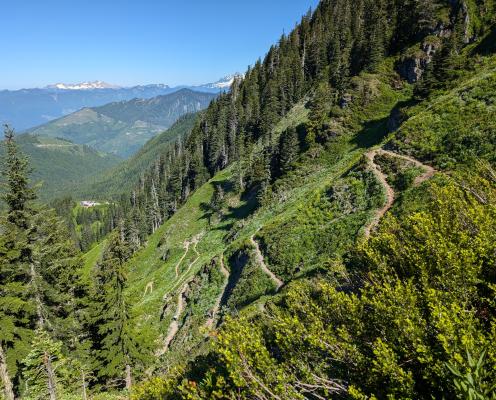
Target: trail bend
(260, 259)
(210, 321)
(382, 178)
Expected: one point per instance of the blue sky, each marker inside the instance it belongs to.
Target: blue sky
(137, 42)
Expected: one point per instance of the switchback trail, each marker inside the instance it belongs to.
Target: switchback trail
(174, 326)
(194, 241)
(429, 171)
(210, 321)
(186, 249)
(261, 262)
(382, 178)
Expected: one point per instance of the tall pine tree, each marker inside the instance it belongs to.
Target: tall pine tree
(17, 310)
(116, 347)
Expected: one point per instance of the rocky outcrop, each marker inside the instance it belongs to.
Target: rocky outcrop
(413, 65)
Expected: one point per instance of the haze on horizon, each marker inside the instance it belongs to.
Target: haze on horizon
(135, 43)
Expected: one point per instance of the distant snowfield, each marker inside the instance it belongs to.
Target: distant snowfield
(223, 83)
(83, 86)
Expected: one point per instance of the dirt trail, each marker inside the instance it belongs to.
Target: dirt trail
(194, 241)
(187, 243)
(382, 178)
(210, 321)
(174, 326)
(429, 171)
(261, 261)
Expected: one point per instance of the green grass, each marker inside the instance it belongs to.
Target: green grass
(90, 258)
(457, 127)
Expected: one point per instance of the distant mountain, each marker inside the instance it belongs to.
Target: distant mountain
(83, 86)
(58, 163)
(222, 84)
(27, 108)
(123, 127)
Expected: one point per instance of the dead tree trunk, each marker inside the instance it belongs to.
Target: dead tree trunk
(129, 380)
(52, 389)
(83, 379)
(4, 374)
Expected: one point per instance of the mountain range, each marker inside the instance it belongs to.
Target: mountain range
(27, 108)
(121, 128)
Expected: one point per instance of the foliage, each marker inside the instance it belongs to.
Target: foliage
(473, 384)
(116, 345)
(399, 334)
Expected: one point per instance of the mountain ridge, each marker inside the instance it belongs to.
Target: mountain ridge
(58, 163)
(123, 127)
(24, 109)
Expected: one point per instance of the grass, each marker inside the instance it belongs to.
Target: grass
(456, 127)
(90, 258)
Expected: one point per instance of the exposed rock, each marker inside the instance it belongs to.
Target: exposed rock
(468, 36)
(412, 67)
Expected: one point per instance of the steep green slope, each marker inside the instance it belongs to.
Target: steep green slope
(299, 213)
(123, 127)
(59, 163)
(319, 212)
(329, 234)
(120, 179)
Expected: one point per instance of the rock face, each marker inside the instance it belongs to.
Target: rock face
(412, 68)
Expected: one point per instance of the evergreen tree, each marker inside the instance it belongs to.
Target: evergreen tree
(319, 112)
(38, 270)
(288, 150)
(41, 363)
(116, 348)
(16, 306)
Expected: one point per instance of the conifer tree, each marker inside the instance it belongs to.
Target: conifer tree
(288, 149)
(41, 363)
(38, 269)
(16, 306)
(319, 107)
(116, 348)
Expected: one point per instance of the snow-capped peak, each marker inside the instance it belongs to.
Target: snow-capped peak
(224, 83)
(83, 86)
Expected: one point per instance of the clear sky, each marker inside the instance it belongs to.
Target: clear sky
(128, 42)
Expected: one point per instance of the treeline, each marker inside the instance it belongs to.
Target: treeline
(62, 331)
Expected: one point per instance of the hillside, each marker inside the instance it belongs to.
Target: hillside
(122, 128)
(270, 276)
(59, 163)
(111, 183)
(324, 230)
